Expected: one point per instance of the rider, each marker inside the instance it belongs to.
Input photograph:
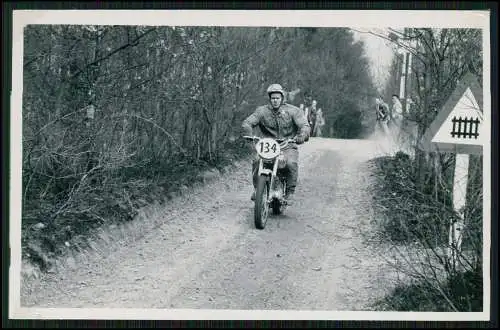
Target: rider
(382, 113)
(279, 120)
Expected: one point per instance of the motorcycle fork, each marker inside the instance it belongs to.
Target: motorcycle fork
(271, 176)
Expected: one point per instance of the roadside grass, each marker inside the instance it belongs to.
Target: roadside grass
(413, 220)
(464, 290)
(111, 209)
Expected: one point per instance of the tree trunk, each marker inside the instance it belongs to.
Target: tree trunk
(425, 111)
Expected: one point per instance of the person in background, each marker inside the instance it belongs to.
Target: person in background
(382, 113)
(312, 116)
(320, 122)
(306, 113)
(307, 99)
(398, 120)
(307, 104)
(397, 111)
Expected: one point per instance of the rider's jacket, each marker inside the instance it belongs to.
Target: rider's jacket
(286, 122)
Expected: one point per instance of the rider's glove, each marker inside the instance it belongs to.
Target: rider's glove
(300, 139)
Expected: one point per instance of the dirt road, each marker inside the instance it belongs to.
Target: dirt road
(208, 254)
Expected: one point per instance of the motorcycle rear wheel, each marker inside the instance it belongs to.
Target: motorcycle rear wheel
(261, 210)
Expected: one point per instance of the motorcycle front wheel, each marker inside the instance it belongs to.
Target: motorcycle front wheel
(276, 203)
(261, 211)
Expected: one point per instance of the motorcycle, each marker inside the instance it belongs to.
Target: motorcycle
(271, 184)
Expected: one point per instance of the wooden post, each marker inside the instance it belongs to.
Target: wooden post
(457, 128)
(459, 198)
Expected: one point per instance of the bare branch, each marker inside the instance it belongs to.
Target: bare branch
(132, 43)
(157, 126)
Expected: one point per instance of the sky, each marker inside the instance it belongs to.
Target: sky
(379, 52)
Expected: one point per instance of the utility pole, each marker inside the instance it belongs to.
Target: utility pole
(408, 81)
(402, 83)
(405, 84)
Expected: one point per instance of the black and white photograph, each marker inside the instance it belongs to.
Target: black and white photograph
(204, 164)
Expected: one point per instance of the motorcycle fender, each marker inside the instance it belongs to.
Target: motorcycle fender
(263, 170)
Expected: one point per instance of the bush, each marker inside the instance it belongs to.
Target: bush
(408, 214)
(411, 213)
(463, 290)
(72, 209)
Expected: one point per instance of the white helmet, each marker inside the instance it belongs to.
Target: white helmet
(275, 88)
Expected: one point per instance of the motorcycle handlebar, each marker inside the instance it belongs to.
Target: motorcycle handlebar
(246, 137)
(286, 140)
(253, 138)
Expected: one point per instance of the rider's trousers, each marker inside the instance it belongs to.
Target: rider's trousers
(292, 169)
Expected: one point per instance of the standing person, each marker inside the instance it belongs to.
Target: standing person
(306, 114)
(382, 113)
(398, 118)
(397, 112)
(307, 105)
(279, 120)
(312, 116)
(320, 122)
(307, 99)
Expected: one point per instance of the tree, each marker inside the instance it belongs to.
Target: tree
(442, 58)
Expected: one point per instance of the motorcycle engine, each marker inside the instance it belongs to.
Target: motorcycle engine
(281, 161)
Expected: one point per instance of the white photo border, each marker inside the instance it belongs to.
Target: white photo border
(286, 18)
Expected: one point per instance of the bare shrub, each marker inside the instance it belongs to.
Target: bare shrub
(414, 225)
(117, 116)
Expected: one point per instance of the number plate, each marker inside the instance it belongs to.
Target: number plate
(267, 148)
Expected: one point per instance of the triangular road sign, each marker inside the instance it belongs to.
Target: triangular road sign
(459, 126)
